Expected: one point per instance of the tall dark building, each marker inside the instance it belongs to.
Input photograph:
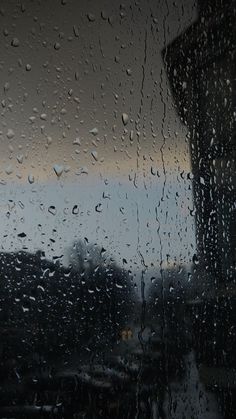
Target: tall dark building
(201, 67)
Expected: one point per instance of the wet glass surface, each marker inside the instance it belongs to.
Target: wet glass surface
(118, 209)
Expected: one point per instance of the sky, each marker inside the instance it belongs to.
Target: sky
(87, 120)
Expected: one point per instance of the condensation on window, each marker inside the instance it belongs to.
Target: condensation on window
(118, 210)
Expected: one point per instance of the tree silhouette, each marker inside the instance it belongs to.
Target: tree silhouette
(166, 307)
(106, 294)
(53, 310)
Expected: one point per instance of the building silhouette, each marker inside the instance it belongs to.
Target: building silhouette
(200, 65)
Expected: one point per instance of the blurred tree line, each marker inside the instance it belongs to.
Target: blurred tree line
(50, 309)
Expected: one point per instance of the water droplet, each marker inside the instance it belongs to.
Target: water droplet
(195, 260)
(125, 118)
(43, 116)
(94, 131)
(202, 180)
(10, 133)
(58, 169)
(25, 309)
(15, 42)
(76, 75)
(28, 67)
(91, 17)
(52, 210)
(153, 171)
(98, 208)
(77, 141)
(9, 170)
(103, 251)
(76, 31)
(22, 235)
(6, 86)
(82, 170)
(31, 178)
(75, 210)
(20, 158)
(95, 155)
(57, 46)
(11, 204)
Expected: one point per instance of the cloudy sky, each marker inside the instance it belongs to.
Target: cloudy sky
(87, 120)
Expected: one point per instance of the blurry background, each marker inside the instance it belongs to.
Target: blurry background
(69, 72)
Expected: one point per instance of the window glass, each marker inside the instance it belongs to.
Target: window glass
(117, 200)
